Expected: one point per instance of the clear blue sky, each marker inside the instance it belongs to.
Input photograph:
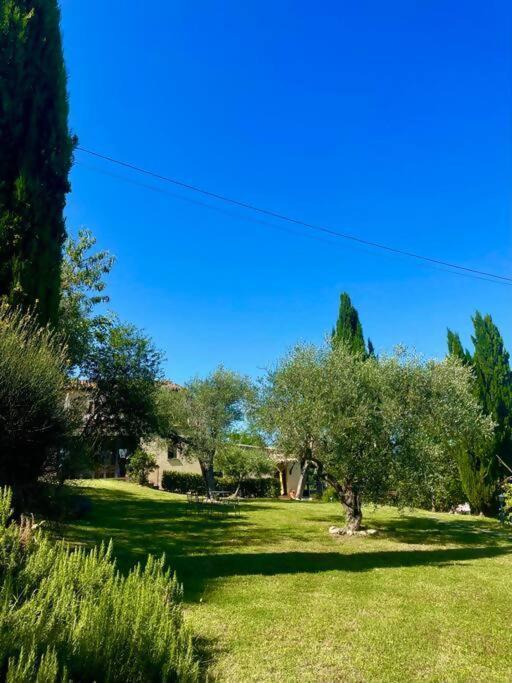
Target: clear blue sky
(391, 121)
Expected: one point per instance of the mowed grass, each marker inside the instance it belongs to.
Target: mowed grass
(272, 597)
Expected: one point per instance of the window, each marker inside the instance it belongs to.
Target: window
(172, 451)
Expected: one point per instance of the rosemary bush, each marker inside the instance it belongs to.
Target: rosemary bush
(69, 615)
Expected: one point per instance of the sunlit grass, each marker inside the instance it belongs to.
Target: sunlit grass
(272, 597)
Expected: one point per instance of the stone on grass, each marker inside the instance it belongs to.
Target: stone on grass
(344, 531)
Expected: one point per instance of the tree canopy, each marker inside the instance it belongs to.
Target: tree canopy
(205, 413)
(34, 416)
(83, 289)
(348, 329)
(481, 467)
(36, 154)
(122, 371)
(372, 427)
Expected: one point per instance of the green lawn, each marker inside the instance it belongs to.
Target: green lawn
(272, 597)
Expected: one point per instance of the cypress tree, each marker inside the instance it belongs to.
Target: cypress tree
(348, 328)
(494, 381)
(36, 154)
(456, 349)
(480, 470)
(371, 349)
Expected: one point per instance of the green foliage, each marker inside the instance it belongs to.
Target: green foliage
(205, 413)
(480, 468)
(69, 615)
(82, 290)
(478, 478)
(254, 487)
(372, 426)
(507, 503)
(140, 465)
(34, 417)
(456, 349)
(243, 456)
(494, 381)
(329, 495)
(183, 482)
(348, 329)
(123, 369)
(36, 154)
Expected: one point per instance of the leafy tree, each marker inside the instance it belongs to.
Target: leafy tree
(480, 468)
(348, 329)
(206, 412)
(122, 371)
(456, 349)
(369, 426)
(83, 289)
(371, 349)
(493, 381)
(478, 477)
(36, 154)
(140, 465)
(244, 455)
(34, 418)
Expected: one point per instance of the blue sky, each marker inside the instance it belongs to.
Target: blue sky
(390, 121)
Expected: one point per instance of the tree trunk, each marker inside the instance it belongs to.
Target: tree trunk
(302, 480)
(350, 499)
(283, 480)
(209, 479)
(239, 486)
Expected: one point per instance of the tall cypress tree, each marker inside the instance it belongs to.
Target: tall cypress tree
(456, 349)
(35, 154)
(348, 328)
(494, 380)
(480, 470)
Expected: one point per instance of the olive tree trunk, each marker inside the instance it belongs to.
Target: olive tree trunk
(209, 478)
(351, 502)
(302, 480)
(349, 496)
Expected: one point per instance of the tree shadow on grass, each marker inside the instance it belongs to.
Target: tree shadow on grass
(429, 529)
(202, 548)
(198, 571)
(164, 524)
(412, 529)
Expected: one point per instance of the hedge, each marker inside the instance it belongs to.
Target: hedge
(183, 482)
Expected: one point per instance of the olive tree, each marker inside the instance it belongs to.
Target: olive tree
(204, 414)
(35, 420)
(244, 455)
(370, 426)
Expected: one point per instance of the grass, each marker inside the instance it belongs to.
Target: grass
(272, 597)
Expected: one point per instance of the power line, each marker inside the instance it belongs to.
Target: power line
(260, 221)
(290, 219)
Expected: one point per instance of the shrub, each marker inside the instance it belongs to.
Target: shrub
(68, 614)
(34, 418)
(506, 513)
(140, 465)
(183, 482)
(329, 495)
(263, 487)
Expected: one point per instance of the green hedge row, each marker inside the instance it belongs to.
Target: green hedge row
(183, 482)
